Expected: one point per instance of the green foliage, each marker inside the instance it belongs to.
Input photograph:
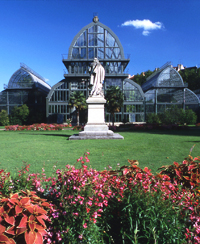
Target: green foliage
(78, 100)
(114, 98)
(153, 118)
(173, 115)
(192, 77)
(143, 217)
(4, 119)
(190, 117)
(141, 78)
(19, 115)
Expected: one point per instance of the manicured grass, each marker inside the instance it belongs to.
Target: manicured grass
(48, 148)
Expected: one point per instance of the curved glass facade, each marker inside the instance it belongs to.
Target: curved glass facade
(25, 87)
(94, 40)
(165, 88)
(21, 79)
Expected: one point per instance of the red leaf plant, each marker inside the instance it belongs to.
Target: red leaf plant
(187, 173)
(22, 218)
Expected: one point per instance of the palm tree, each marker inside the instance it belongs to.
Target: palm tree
(114, 97)
(78, 100)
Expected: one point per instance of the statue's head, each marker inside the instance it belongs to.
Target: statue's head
(96, 60)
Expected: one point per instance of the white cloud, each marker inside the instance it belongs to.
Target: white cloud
(46, 79)
(144, 24)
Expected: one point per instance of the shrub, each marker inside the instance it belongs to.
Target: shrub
(153, 118)
(190, 117)
(4, 119)
(37, 127)
(173, 115)
(19, 115)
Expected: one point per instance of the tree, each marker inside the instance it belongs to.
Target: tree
(4, 119)
(19, 115)
(114, 97)
(78, 100)
(141, 78)
(192, 77)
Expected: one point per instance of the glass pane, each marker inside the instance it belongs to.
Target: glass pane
(81, 41)
(100, 40)
(83, 53)
(20, 79)
(110, 40)
(92, 40)
(95, 29)
(90, 53)
(113, 82)
(3, 98)
(75, 53)
(100, 54)
(113, 53)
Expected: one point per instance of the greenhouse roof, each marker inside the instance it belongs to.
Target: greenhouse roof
(25, 77)
(164, 77)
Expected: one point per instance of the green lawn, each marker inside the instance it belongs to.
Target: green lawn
(151, 148)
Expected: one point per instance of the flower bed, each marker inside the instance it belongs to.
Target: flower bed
(83, 205)
(41, 126)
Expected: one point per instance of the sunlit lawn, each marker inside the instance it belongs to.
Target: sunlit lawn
(151, 148)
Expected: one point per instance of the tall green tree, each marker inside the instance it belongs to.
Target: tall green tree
(78, 100)
(19, 115)
(192, 77)
(114, 98)
(4, 119)
(141, 78)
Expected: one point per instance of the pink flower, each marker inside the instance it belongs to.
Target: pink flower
(80, 237)
(85, 225)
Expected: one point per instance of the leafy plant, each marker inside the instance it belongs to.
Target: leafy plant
(22, 218)
(78, 100)
(187, 173)
(19, 115)
(175, 115)
(114, 100)
(4, 118)
(153, 118)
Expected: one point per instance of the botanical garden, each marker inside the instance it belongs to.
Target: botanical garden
(143, 189)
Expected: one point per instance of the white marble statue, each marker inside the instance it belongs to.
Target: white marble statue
(97, 77)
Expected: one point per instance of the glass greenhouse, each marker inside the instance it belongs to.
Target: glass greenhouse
(95, 40)
(25, 87)
(165, 88)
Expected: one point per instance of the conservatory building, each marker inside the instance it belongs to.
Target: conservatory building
(95, 41)
(25, 87)
(164, 88)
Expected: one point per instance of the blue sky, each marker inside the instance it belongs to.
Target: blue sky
(152, 32)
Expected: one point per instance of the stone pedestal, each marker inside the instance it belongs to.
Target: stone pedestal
(96, 127)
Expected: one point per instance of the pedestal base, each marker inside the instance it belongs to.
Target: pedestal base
(95, 135)
(96, 127)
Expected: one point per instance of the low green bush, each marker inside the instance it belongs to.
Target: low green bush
(173, 115)
(153, 118)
